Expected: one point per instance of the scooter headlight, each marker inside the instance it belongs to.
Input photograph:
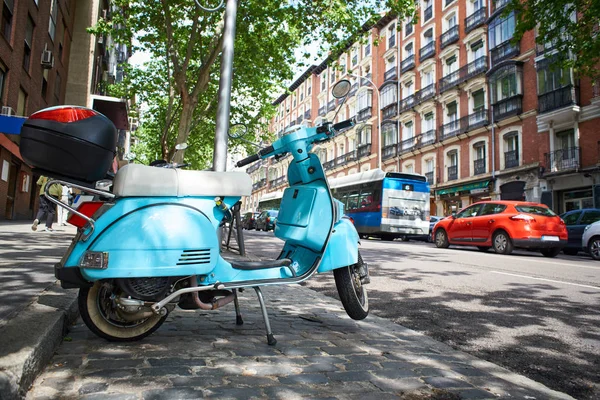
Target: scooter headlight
(94, 260)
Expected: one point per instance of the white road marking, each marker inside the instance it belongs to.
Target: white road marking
(546, 280)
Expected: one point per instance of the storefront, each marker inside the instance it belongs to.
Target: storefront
(451, 199)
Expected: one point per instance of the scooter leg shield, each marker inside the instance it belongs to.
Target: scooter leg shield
(342, 249)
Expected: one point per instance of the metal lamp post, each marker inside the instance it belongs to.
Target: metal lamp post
(378, 116)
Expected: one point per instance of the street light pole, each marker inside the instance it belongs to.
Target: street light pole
(378, 117)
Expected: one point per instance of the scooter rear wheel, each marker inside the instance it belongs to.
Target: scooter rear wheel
(99, 312)
(353, 293)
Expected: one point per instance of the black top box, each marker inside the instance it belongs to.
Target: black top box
(70, 142)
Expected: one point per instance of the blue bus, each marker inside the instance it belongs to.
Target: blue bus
(388, 205)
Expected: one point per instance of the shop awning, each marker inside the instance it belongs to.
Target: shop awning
(464, 188)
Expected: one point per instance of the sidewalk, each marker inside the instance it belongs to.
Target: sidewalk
(321, 353)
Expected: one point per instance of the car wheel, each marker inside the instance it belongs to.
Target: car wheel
(483, 248)
(405, 238)
(551, 253)
(570, 252)
(387, 238)
(363, 236)
(594, 247)
(441, 239)
(502, 243)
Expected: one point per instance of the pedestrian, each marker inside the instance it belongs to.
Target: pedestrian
(47, 208)
(63, 212)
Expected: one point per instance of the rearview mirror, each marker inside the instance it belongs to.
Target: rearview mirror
(237, 131)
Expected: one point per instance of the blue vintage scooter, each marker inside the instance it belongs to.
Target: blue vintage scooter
(152, 243)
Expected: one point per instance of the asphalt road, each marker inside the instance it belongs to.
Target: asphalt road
(536, 316)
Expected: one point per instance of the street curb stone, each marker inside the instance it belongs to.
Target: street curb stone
(29, 339)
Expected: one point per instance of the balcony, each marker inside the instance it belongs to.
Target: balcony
(479, 166)
(331, 105)
(390, 74)
(504, 51)
(475, 20)
(478, 119)
(345, 158)
(449, 37)
(407, 103)
(322, 111)
(407, 64)
(452, 128)
(427, 138)
(428, 13)
(390, 111)
(253, 167)
(407, 145)
(453, 173)
(429, 177)
(463, 74)
(428, 92)
(364, 114)
(307, 114)
(508, 107)
(363, 150)
(427, 51)
(389, 151)
(563, 97)
(329, 165)
(562, 160)
(277, 182)
(259, 184)
(500, 4)
(511, 159)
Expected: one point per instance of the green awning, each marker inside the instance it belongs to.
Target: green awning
(464, 188)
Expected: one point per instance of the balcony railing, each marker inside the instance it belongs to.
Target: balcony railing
(389, 151)
(426, 93)
(364, 114)
(508, 107)
(427, 51)
(331, 105)
(407, 145)
(429, 177)
(559, 98)
(345, 158)
(479, 166)
(407, 103)
(390, 74)
(390, 111)
(453, 173)
(427, 138)
(322, 111)
(408, 63)
(475, 20)
(478, 119)
(452, 128)
(511, 159)
(259, 184)
(499, 4)
(277, 182)
(541, 48)
(307, 114)
(253, 167)
(472, 69)
(329, 164)
(503, 51)
(562, 160)
(428, 13)
(449, 37)
(364, 150)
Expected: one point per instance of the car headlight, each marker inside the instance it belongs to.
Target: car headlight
(587, 227)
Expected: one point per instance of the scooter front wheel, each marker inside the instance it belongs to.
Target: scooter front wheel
(353, 293)
(99, 311)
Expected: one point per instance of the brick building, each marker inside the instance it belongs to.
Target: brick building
(47, 58)
(457, 101)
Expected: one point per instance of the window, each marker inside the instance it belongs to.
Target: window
(353, 200)
(551, 79)
(505, 83)
(410, 169)
(57, 86)
(428, 122)
(389, 134)
(479, 100)
(426, 78)
(367, 48)
(477, 50)
(391, 36)
(408, 131)
(53, 19)
(390, 62)
(354, 55)
(451, 109)
(388, 95)
(451, 64)
(364, 135)
(453, 158)
(409, 50)
(501, 30)
(409, 89)
(22, 103)
(427, 10)
(428, 37)
(590, 217)
(565, 140)
(491, 208)
(469, 212)
(451, 21)
(364, 100)
(408, 28)
(479, 151)
(535, 210)
(429, 165)
(44, 84)
(323, 81)
(366, 198)
(3, 73)
(332, 77)
(572, 218)
(7, 14)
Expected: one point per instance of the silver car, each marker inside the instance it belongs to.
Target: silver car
(591, 240)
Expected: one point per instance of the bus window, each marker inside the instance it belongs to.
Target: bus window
(353, 200)
(366, 198)
(344, 199)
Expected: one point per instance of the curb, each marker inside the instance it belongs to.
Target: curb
(30, 339)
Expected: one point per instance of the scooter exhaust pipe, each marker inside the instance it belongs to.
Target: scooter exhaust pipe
(216, 303)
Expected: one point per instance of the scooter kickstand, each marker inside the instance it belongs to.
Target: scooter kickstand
(270, 338)
(238, 314)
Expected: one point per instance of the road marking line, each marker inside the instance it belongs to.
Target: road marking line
(546, 280)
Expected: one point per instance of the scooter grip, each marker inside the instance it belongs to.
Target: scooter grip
(349, 123)
(247, 160)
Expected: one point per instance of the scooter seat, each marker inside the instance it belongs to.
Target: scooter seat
(135, 180)
(255, 265)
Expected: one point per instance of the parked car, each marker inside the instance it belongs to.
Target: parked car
(432, 221)
(577, 221)
(591, 240)
(504, 225)
(266, 220)
(249, 219)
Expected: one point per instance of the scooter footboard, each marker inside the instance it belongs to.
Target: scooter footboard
(342, 249)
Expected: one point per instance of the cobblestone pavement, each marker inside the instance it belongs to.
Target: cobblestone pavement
(321, 353)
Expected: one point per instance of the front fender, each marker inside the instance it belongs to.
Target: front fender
(342, 249)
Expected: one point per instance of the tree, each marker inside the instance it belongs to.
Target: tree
(181, 81)
(569, 26)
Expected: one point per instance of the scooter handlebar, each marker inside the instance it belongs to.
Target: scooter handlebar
(349, 123)
(247, 160)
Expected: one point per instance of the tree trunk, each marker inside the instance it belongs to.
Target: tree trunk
(183, 130)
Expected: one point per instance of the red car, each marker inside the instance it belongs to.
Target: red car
(504, 225)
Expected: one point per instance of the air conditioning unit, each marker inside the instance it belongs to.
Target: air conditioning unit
(7, 111)
(47, 59)
(100, 39)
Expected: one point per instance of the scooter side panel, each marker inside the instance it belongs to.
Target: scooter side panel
(342, 249)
